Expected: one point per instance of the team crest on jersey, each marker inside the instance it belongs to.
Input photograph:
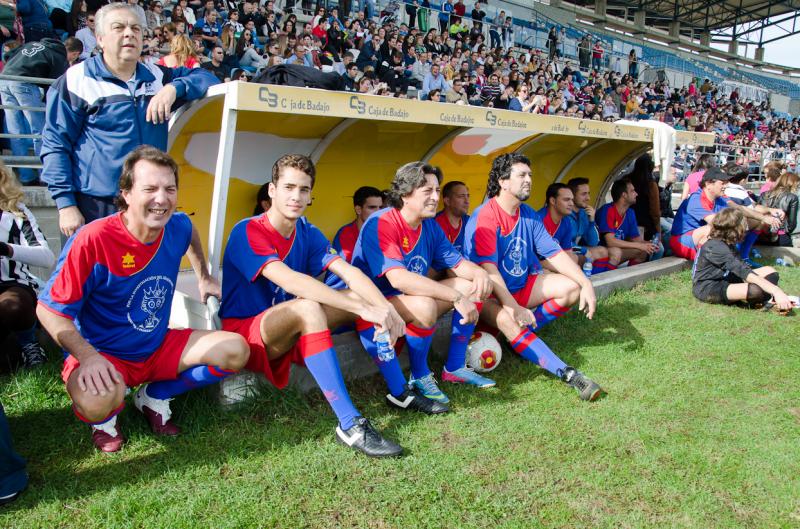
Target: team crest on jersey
(406, 244)
(418, 265)
(147, 303)
(512, 260)
(128, 260)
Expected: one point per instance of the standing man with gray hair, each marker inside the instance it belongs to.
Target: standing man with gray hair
(102, 109)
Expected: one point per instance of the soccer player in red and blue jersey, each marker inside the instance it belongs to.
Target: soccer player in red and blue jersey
(453, 216)
(616, 222)
(366, 201)
(397, 248)
(555, 218)
(692, 222)
(506, 238)
(586, 241)
(271, 297)
(108, 305)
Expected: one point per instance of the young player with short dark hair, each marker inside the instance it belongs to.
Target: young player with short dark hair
(616, 222)
(586, 242)
(366, 201)
(453, 217)
(271, 297)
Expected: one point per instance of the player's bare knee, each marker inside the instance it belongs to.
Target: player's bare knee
(95, 408)
(426, 312)
(234, 352)
(311, 316)
(571, 291)
(614, 256)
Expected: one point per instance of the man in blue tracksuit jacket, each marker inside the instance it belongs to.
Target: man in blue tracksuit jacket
(102, 109)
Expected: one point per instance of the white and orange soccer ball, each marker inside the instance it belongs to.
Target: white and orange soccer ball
(484, 352)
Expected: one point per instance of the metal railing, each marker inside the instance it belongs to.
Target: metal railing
(753, 158)
(23, 162)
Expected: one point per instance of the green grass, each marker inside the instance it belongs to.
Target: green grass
(700, 428)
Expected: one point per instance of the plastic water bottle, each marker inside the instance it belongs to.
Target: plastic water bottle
(755, 254)
(656, 239)
(385, 349)
(587, 267)
(780, 261)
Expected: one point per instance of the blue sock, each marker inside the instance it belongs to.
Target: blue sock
(746, 245)
(419, 343)
(26, 336)
(532, 348)
(390, 369)
(320, 358)
(193, 378)
(459, 341)
(547, 312)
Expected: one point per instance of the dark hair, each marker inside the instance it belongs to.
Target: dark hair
(263, 194)
(735, 171)
(501, 170)
(143, 153)
(296, 161)
(73, 44)
(577, 182)
(729, 225)
(552, 192)
(363, 193)
(409, 178)
(705, 162)
(450, 187)
(618, 188)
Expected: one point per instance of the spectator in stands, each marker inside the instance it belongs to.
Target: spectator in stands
(83, 183)
(211, 29)
(721, 276)
(457, 94)
(155, 15)
(434, 80)
(444, 16)
(48, 59)
(247, 54)
(633, 64)
(692, 182)
(507, 34)
(772, 171)
(521, 102)
(35, 20)
(491, 90)
(22, 245)
(597, 55)
(74, 50)
(618, 227)
(87, 37)
(783, 197)
(690, 228)
(217, 65)
(182, 53)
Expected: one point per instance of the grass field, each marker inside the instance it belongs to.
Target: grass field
(700, 428)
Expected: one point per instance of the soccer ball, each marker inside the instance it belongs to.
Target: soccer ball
(484, 352)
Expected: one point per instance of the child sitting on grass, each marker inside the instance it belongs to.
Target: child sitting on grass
(720, 276)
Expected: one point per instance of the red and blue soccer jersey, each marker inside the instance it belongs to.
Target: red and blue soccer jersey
(345, 240)
(513, 243)
(252, 245)
(387, 242)
(563, 232)
(609, 220)
(693, 210)
(454, 235)
(117, 289)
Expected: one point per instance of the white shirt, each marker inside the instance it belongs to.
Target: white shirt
(89, 41)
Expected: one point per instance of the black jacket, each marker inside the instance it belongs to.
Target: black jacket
(788, 203)
(44, 58)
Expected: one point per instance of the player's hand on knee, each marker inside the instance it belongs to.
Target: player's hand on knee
(380, 317)
(467, 309)
(522, 316)
(397, 326)
(98, 376)
(69, 220)
(481, 285)
(587, 302)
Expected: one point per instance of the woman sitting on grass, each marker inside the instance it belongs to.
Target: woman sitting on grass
(721, 276)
